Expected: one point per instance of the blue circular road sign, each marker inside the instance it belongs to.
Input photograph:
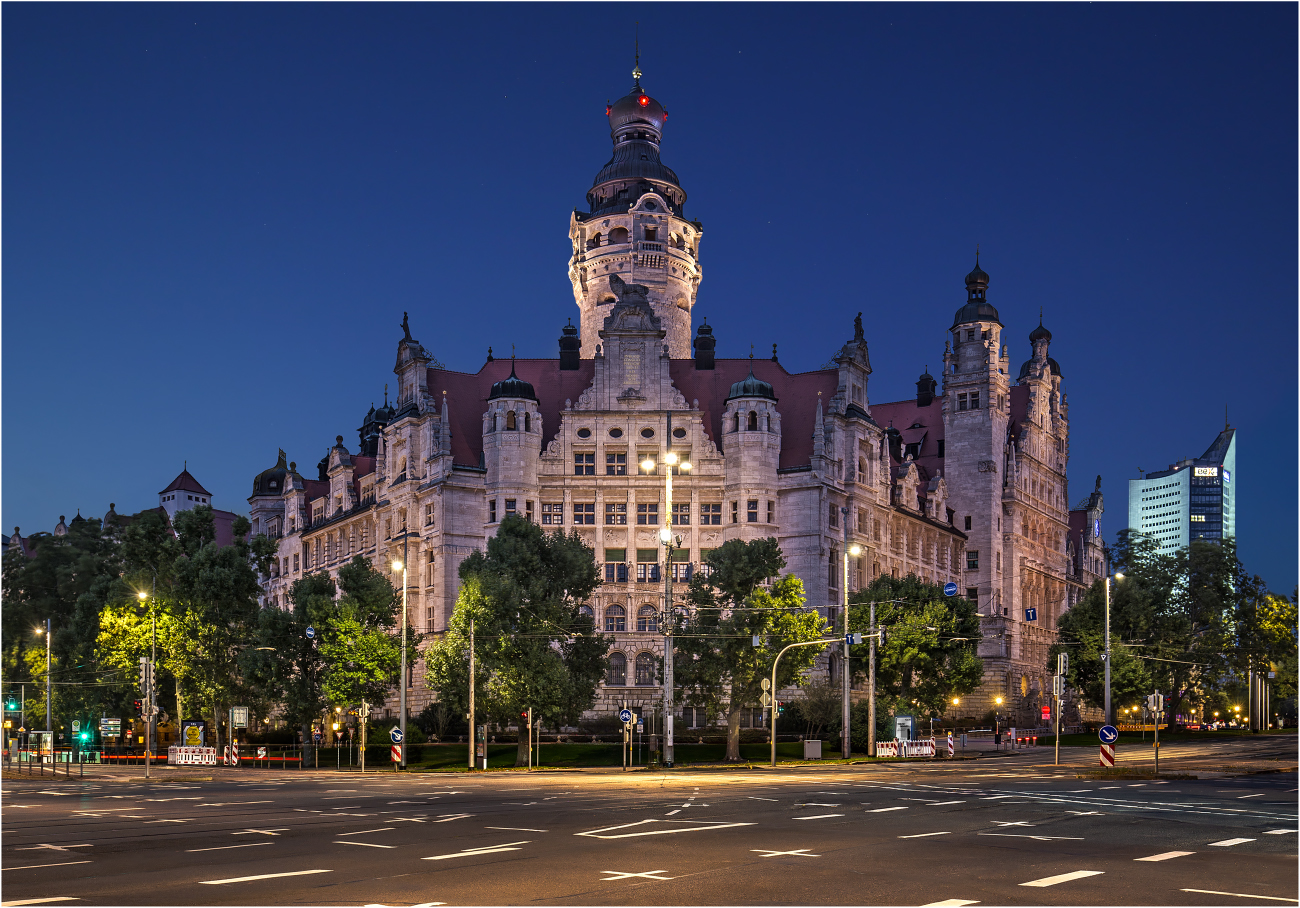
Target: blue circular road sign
(396, 734)
(950, 589)
(311, 632)
(1108, 734)
(625, 715)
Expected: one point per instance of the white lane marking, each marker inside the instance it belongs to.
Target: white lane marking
(44, 901)
(1168, 855)
(365, 831)
(331, 791)
(515, 829)
(815, 804)
(1279, 831)
(232, 803)
(260, 876)
(157, 801)
(1228, 843)
(800, 852)
(1012, 823)
(648, 875)
(185, 820)
(1040, 838)
(51, 847)
(1063, 878)
(38, 866)
(922, 835)
(448, 817)
(750, 798)
(885, 809)
(820, 816)
(1239, 895)
(276, 831)
(408, 819)
(1251, 796)
(596, 833)
(671, 812)
(225, 847)
(366, 844)
(1086, 813)
(944, 803)
(475, 852)
(951, 903)
(997, 797)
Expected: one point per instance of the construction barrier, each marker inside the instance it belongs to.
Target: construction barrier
(1107, 755)
(191, 756)
(905, 748)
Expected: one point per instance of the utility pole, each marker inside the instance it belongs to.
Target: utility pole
(473, 732)
(49, 697)
(405, 565)
(871, 687)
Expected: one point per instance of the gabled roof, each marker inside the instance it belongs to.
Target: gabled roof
(185, 483)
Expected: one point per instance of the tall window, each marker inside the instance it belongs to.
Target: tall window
(616, 514)
(492, 510)
(584, 514)
(681, 515)
(528, 511)
(647, 620)
(711, 514)
(647, 514)
(615, 464)
(735, 512)
(751, 511)
(834, 516)
(510, 507)
(972, 560)
(962, 401)
(616, 671)
(428, 515)
(584, 464)
(615, 619)
(645, 669)
(752, 423)
(552, 514)
(771, 512)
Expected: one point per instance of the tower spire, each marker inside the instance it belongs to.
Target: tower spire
(636, 68)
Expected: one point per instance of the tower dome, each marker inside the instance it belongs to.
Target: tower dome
(1040, 333)
(752, 387)
(271, 482)
(513, 387)
(977, 308)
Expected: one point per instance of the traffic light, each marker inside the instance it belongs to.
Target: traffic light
(11, 704)
(780, 707)
(144, 675)
(139, 708)
(84, 736)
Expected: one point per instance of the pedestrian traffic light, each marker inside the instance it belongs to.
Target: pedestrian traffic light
(139, 708)
(11, 704)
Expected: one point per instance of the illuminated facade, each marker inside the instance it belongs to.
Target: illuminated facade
(800, 456)
(1193, 499)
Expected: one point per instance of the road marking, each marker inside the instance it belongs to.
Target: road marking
(1063, 878)
(225, 847)
(944, 803)
(366, 844)
(671, 812)
(596, 833)
(52, 847)
(232, 803)
(1086, 813)
(750, 798)
(951, 903)
(1012, 823)
(275, 831)
(801, 853)
(185, 820)
(1228, 843)
(38, 866)
(475, 852)
(408, 819)
(1239, 895)
(365, 831)
(815, 804)
(885, 809)
(820, 816)
(515, 829)
(922, 835)
(1166, 856)
(1279, 831)
(44, 901)
(997, 797)
(1251, 796)
(448, 817)
(1041, 838)
(260, 876)
(648, 875)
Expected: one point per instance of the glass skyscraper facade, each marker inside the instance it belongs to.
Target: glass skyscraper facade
(1193, 499)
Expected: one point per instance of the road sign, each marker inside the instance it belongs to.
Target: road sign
(311, 632)
(765, 684)
(1108, 734)
(239, 716)
(364, 711)
(950, 589)
(766, 699)
(625, 716)
(110, 728)
(261, 753)
(640, 727)
(852, 638)
(950, 745)
(76, 725)
(1107, 755)
(1031, 614)
(397, 753)
(396, 734)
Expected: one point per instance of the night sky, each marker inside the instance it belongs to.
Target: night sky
(215, 215)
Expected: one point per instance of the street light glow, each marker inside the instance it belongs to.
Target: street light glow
(647, 464)
(855, 550)
(142, 595)
(1119, 576)
(670, 458)
(397, 565)
(997, 700)
(665, 535)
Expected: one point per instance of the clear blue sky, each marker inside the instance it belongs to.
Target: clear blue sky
(214, 216)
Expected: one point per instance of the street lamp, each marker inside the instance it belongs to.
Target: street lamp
(1106, 658)
(401, 566)
(670, 460)
(855, 551)
(997, 720)
(49, 714)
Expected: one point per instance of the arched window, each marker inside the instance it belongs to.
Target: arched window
(616, 670)
(753, 421)
(647, 619)
(594, 242)
(510, 421)
(645, 669)
(585, 611)
(615, 619)
(618, 236)
(862, 469)
(736, 425)
(528, 422)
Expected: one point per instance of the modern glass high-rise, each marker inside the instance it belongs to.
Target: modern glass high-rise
(1193, 499)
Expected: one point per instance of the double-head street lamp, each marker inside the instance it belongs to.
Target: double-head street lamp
(1110, 716)
(671, 461)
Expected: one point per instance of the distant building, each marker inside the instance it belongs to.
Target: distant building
(1193, 499)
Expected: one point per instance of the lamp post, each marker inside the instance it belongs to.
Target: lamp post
(997, 722)
(670, 460)
(402, 566)
(49, 714)
(1110, 716)
(845, 744)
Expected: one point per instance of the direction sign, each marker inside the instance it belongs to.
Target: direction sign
(239, 716)
(765, 684)
(1031, 614)
(766, 699)
(396, 734)
(852, 638)
(950, 589)
(1108, 734)
(110, 728)
(311, 632)
(625, 716)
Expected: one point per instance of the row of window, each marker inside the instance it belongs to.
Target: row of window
(584, 463)
(648, 571)
(616, 513)
(197, 498)
(616, 670)
(647, 618)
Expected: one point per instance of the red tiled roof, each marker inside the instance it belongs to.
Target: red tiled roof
(314, 488)
(902, 415)
(185, 483)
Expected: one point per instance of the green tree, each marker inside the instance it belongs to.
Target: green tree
(532, 647)
(716, 664)
(930, 654)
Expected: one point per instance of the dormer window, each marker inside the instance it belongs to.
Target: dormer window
(652, 233)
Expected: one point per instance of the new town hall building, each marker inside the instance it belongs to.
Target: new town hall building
(965, 483)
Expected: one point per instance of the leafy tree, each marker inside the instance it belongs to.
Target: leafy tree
(716, 664)
(930, 653)
(532, 648)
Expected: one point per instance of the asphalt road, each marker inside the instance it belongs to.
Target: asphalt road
(996, 831)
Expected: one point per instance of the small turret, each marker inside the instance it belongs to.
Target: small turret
(705, 344)
(570, 348)
(925, 387)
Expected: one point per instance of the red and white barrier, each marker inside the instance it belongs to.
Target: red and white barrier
(905, 748)
(1107, 755)
(191, 756)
